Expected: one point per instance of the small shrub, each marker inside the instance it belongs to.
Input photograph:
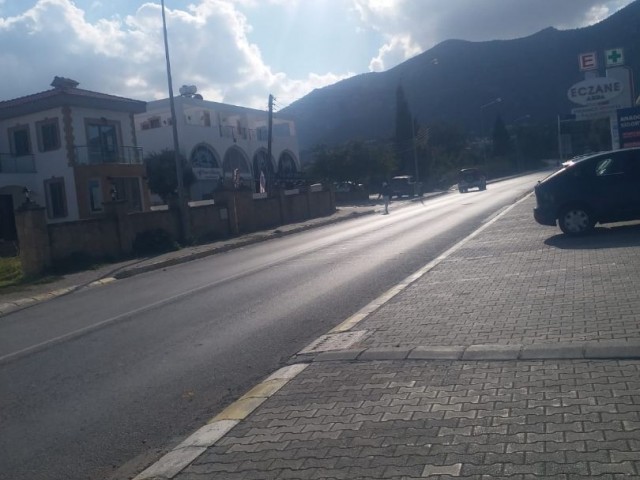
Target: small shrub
(10, 271)
(154, 242)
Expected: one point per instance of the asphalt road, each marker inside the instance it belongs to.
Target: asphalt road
(122, 372)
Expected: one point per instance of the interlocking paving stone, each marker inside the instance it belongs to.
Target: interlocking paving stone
(519, 283)
(440, 419)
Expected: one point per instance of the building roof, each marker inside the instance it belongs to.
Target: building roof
(66, 93)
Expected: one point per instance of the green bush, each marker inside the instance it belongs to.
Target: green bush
(153, 242)
(10, 271)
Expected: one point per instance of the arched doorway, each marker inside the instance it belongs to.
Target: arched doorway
(288, 170)
(207, 170)
(262, 166)
(235, 159)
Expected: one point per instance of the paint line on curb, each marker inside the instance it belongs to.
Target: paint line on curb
(215, 429)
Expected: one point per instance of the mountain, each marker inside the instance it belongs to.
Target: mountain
(454, 79)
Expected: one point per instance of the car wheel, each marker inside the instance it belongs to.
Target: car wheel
(575, 220)
(460, 189)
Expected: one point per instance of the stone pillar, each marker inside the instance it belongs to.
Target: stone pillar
(282, 200)
(33, 237)
(117, 210)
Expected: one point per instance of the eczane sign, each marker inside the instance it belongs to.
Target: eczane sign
(595, 90)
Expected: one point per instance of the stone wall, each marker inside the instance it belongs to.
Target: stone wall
(113, 234)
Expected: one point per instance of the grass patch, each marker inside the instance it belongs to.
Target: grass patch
(10, 272)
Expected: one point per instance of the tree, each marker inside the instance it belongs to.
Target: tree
(501, 138)
(404, 132)
(162, 177)
(355, 161)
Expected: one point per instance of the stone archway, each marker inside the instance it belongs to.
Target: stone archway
(287, 170)
(262, 166)
(235, 159)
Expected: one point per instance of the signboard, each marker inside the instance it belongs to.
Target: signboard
(614, 57)
(594, 91)
(623, 74)
(204, 173)
(588, 61)
(595, 111)
(629, 127)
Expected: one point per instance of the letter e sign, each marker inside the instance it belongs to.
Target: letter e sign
(588, 61)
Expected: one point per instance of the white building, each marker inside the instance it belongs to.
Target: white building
(216, 139)
(68, 149)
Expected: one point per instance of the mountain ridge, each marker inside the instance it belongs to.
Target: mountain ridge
(455, 80)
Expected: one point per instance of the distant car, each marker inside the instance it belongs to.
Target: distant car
(404, 185)
(471, 178)
(599, 188)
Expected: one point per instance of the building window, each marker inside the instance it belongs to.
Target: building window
(48, 135)
(56, 197)
(95, 195)
(102, 140)
(128, 189)
(19, 140)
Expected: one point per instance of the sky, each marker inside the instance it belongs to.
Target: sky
(240, 51)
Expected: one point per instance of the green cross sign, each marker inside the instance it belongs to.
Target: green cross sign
(614, 57)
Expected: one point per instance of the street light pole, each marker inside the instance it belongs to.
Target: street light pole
(415, 155)
(519, 159)
(186, 231)
(482, 107)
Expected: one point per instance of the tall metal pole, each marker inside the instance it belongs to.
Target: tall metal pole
(415, 154)
(186, 231)
(269, 140)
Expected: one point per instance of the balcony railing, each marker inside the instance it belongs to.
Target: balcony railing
(10, 163)
(86, 155)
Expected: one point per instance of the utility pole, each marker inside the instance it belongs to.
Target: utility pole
(415, 154)
(184, 219)
(270, 137)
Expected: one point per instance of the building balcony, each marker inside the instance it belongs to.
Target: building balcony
(86, 155)
(10, 163)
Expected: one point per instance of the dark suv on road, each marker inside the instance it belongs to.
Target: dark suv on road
(471, 178)
(599, 188)
(404, 185)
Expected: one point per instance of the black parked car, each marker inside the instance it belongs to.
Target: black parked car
(599, 188)
(471, 178)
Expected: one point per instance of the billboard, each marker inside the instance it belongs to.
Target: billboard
(629, 127)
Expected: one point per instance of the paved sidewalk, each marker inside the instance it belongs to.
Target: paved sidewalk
(515, 355)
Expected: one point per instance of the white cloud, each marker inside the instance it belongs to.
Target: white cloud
(208, 45)
(412, 27)
(122, 52)
(398, 49)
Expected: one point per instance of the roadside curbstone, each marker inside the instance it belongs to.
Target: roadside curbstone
(338, 355)
(547, 352)
(492, 352)
(436, 353)
(385, 354)
(621, 349)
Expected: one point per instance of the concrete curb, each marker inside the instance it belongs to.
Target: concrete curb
(610, 350)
